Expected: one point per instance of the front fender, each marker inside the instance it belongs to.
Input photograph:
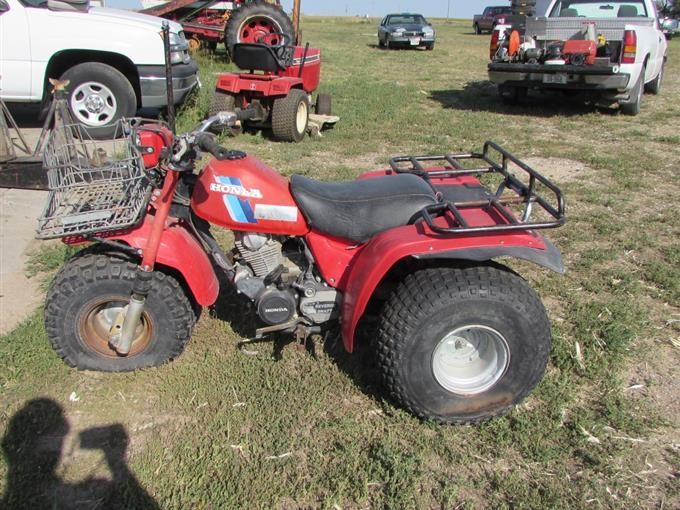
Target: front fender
(180, 251)
(385, 250)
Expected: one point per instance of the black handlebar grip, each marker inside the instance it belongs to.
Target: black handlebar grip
(206, 142)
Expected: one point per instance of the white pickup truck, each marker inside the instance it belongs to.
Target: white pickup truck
(114, 60)
(613, 50)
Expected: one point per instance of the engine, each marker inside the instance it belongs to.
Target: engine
(275, 273)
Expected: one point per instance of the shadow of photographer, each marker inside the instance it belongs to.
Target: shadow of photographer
(32, 447)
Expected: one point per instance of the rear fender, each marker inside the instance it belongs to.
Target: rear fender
(384, 251)
(180, 251)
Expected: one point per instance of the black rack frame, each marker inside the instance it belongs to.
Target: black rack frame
(525, 194)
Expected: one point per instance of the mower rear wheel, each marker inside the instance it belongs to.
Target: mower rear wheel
(290, 116)
(461, 345)
(323, 104)
(222, 102)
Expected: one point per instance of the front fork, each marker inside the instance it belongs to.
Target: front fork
(121, 338)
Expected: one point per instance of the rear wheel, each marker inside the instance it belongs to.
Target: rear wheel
(654, 86)
(222, 102)
(462, 345)
(632, 106)
(290, 116)
(256, 21)
(85, 302)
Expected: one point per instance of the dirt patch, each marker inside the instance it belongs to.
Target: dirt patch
(559, 170)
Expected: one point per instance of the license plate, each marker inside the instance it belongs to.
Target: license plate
(558, 79)
(415, 41)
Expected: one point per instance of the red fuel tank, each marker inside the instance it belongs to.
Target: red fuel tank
(247, 195)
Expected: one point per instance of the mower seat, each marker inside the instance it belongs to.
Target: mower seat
(359, 210)
(262, 57)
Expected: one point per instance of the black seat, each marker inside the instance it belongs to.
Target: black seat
(262, 57)
(359, 210)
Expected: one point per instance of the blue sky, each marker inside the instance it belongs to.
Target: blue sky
(438, 8)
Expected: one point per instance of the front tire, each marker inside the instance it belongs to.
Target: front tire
(85, 300)
(290, 116)
(98, 96)
(462, 345)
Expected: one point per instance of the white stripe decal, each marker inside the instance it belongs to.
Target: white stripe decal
(276, 213)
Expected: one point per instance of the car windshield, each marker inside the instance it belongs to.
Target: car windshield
(501, 10)
(406, 19)
(589, 9)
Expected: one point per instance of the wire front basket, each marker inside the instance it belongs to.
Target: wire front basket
(95, 185)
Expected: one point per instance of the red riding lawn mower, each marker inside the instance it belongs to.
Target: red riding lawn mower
(278, 85)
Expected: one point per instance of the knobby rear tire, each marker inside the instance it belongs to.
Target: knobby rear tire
(430, 304)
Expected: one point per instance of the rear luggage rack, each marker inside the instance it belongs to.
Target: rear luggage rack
(511, 191)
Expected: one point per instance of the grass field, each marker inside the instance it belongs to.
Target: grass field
(276, 427)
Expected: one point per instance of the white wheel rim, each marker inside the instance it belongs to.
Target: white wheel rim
(301, 117)
(470, 359)
(93, 104)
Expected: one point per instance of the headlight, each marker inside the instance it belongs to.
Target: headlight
(428, 31)
(178, 48)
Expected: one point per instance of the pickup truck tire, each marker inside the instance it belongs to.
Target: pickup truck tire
(654, 86)
(462, 345)
(98, 96)
(632, 106)
(476, 28)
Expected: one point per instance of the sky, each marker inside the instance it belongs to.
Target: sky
(374, 8)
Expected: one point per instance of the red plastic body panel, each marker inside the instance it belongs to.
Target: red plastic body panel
(153, 138)
(384, 251)
(247, 195)
(333, 257)
(371, 262)
(267, 85)
(276, 84)
(576, 47)
(181, 251)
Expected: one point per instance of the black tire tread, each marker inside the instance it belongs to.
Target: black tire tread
(421, 293)
(222, 102)
(231, 31)
(284, 114)
(94, 265)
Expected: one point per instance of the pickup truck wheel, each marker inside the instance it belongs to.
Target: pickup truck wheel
(632, 106)
(461, 345)
(654, 86)
(99, 95)
(476, 28)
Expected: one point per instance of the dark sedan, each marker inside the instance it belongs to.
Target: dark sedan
(405, 30)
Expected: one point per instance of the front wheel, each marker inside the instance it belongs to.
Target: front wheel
(85, 301)
(462, 345)
(99, 95)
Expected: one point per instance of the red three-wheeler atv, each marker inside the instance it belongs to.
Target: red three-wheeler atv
(461, 337)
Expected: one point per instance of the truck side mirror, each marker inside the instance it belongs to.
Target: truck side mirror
(4, 6)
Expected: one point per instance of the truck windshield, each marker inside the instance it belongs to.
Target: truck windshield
(588, 9)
